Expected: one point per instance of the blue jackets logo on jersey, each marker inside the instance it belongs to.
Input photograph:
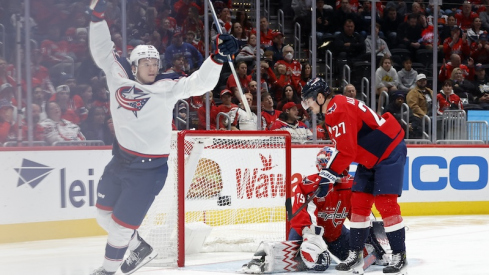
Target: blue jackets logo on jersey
(32, 173)
(131, 98)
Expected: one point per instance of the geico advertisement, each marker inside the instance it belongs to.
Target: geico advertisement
(61, 185)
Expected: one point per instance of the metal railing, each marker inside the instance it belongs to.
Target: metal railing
(454, 125)
(79, 143)
(228, 120)
(478, 130)
(297, 41)
(383, 101)
(2, 27)
(405, 118)
(347, 73)
(328, 60)
(179, 120)
(365, 85)
(24, 143)
(281, 21)
(426, 133)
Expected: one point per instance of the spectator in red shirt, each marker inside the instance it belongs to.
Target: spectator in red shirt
(466, 17)
(457, 44)
(181, 8)
(241, 71)
(266, 34)
(456, 62)
(201, 112)
(294, 66)
(268, 113)
(225, 107)
(480, 50)
(447, 99)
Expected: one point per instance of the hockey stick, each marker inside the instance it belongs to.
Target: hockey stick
(230, 61)
(288, 205)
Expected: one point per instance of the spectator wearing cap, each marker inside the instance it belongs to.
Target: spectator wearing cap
(394, 107)
(480, 77)
(456, 62)
(419, 101)
(483, 99)
(289, 121)
(58, 129)
(466, 17)
(457, 43)
(181, 120)
(277, 47)
(195, 41)
(192, 55)
(6, 119)
(68, 105)
(447, 99)
(268, 113)
(225, 107)
(240, 34)
(480, 50)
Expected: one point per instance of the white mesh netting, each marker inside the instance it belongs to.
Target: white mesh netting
(234, 184)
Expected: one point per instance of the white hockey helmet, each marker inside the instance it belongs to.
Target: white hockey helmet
(143, 51)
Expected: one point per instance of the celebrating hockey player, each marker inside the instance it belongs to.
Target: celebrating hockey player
(141, 106)
(317, 228)
(376, 144)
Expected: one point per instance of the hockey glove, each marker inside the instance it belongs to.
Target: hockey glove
(97, 8)
(328, 177)
(223, 46)
(313, 247)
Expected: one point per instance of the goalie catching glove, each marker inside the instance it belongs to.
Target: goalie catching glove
(223, 46)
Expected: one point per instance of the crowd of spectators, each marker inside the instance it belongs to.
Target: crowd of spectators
(70, 99)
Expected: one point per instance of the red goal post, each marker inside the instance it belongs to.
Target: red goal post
(225, 191)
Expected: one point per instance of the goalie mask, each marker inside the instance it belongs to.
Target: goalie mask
(323, 157)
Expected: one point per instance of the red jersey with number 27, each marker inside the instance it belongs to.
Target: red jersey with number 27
(359, 134)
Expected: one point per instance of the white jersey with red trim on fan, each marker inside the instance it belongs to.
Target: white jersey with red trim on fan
(142, 113)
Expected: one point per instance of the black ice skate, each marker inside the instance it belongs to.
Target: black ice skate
(398, 265)
(353, 264)
(143, 254)
(101, 271)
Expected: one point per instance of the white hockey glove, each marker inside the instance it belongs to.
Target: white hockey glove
(313, 250)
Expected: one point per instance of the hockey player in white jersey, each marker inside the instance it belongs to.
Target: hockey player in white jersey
(141, 105)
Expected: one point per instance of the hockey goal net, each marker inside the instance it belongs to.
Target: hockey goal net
(225, 191)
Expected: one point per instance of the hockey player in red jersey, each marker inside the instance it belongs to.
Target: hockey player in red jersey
(376, 144)
(317, 228)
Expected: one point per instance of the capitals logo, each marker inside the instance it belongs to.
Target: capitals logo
(131, 98)
(331, 110)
